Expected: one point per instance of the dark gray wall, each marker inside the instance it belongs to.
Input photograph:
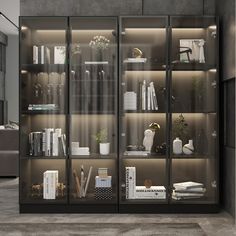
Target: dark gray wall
(226, 12)
(115, 7)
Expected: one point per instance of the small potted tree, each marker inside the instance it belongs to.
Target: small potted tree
(101, 139)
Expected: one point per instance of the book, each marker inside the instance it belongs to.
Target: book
(135, 60)
(130, 182)
(50, 182)
(55, 146)
(187, 185)
(154, 192)
(154, 97)
(35, 54)
(144, 95)
(148, 99)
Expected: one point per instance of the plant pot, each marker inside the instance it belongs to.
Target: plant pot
(104, 148)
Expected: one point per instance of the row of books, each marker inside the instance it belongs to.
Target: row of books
(50, 183)
(141, 192)
(43, 107)
(148, 96)
(43, 54)
(49, 142)
(188, 190)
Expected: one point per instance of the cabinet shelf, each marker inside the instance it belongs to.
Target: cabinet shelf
(144, 201)
(144, 112)
(144, 66)
(193, 156)
(192, 66)
(95, 156)
(42, 112)
(144, 157)
(40, 200)
(91, 200)
(44, 157)
(36, 68)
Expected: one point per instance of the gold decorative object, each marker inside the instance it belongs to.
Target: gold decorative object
(137, 53)
(147, 183)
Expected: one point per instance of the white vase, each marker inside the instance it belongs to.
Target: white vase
(104, 148)
(188, 148)
(177, 146)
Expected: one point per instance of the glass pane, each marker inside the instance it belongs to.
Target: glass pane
(43, 93)
(143, 109)
(93, 107)
(194, 110)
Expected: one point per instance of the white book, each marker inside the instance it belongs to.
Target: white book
(59, 54)
(154, 192)
(135, 60)
(187, 185)
(55, 146)
(187, 194)
(148, 98)
(50, 181)
(48, 141)
(130, 182)
(144, 95)
(42, 54)
(44, 142)
(154, 98)
(47, 58)
(35, 54)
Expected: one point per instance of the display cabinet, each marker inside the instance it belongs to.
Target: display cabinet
(119, 114)
(143, 112)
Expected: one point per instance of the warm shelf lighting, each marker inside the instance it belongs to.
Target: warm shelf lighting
(51, 31)
(144, 29)
(188, 29)
(212, 70)
(24, 27)
(213, 27)
(24, 71)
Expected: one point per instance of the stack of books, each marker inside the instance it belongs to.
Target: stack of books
(49, 142)
(50, 182)
(148, 98)
(43, 107)
(188, 190)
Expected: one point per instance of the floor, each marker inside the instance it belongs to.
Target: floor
(212, 224)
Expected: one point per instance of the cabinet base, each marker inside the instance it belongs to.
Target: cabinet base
(132, 208)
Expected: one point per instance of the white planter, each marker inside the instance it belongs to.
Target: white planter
(104, 148)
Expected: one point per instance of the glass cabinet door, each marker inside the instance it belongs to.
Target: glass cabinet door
(143, 108)
(43, 93)
(93, 110)
(194, 91)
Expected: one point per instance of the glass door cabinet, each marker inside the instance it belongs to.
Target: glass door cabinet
(119, 115)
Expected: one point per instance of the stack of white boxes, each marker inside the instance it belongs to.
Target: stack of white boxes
(130, 101)
(103, 185)
(50, 182)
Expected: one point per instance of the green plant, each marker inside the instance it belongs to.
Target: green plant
(101, 136)
(180, 128)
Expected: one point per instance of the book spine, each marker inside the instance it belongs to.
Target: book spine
(55, 151)
(42, 54)
(47, 142)
(35, 54)
(148, 98)
(144, 95)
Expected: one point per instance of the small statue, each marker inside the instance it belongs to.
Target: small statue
(137, 53)
(149, 136)
(148, 139)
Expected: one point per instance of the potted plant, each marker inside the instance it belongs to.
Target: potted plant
(101, 139)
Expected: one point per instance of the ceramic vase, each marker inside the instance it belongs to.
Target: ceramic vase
(177, 146)
(188, 148)
(104, 148)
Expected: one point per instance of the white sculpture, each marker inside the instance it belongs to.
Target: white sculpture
(148, 139)
(201, 51)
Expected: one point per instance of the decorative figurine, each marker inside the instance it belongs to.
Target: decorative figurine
(137, 53)
(148, 183)
(177, 146)
(149, 136)
(188, 148)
